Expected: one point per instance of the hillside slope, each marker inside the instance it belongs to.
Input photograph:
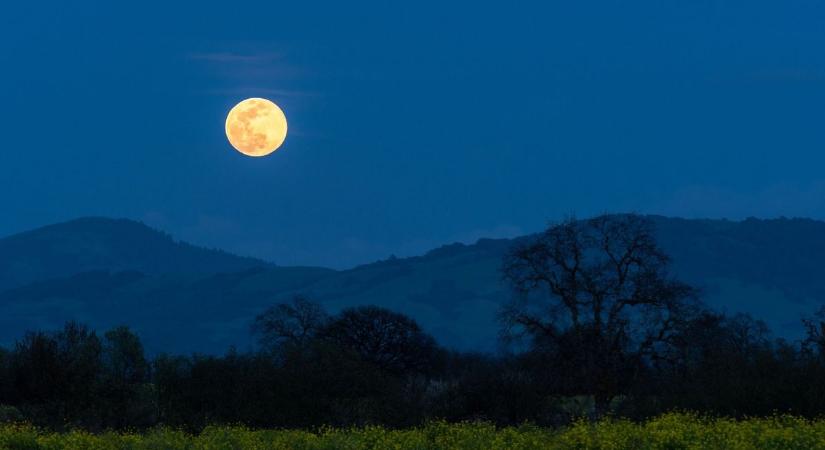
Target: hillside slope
(94, 243)
(773, 269)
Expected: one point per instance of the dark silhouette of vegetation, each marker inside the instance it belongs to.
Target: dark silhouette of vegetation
(814, 344)
(390, 341)
(291, 324)
(714, 364)
(596, 299)
(608, 331)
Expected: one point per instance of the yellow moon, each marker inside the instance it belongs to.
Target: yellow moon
(256, 127)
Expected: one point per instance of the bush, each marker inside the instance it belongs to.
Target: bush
(10, 414)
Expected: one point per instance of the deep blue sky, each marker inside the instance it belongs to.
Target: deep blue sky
(410, 126)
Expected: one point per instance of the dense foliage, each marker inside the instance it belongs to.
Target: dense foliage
(723, 366)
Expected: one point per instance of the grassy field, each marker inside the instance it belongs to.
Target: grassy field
(672, 431)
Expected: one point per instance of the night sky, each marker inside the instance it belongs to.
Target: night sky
(412, 124)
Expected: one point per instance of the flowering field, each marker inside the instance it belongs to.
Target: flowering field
(671, 431)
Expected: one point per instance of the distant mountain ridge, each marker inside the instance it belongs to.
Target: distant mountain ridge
(773, 269)
(97, 243)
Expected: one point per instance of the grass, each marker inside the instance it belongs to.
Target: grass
(670, 431)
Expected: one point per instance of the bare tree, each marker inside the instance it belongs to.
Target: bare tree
(814, 343)
(597, 295)
(294, 323)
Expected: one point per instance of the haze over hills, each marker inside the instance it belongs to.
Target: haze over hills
(182, 298)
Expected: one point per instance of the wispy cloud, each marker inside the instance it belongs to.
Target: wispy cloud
(256, 70)
(247, 66)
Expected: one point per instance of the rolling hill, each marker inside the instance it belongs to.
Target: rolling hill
(96, 243)
(773, 269)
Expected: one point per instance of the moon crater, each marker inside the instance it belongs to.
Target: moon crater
(256, 127)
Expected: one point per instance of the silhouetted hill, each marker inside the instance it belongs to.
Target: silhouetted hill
(774, 269)
(91, 244)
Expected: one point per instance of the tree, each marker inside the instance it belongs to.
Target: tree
(323, 383)
(124, 360)
(56, 376)
(598, 296)
(5, 376)
(124, 382)
(722, 365)
(36, 371)
(387, 339)
(814, 343)
(290, 324)
(80, 358)
(170, 375)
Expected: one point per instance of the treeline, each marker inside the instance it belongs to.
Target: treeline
(75, 378)
(596, 323)
(373, 366)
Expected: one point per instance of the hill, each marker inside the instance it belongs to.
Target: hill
(94, 243)
(773, 269)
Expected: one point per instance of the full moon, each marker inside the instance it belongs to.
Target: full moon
(256, 127)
